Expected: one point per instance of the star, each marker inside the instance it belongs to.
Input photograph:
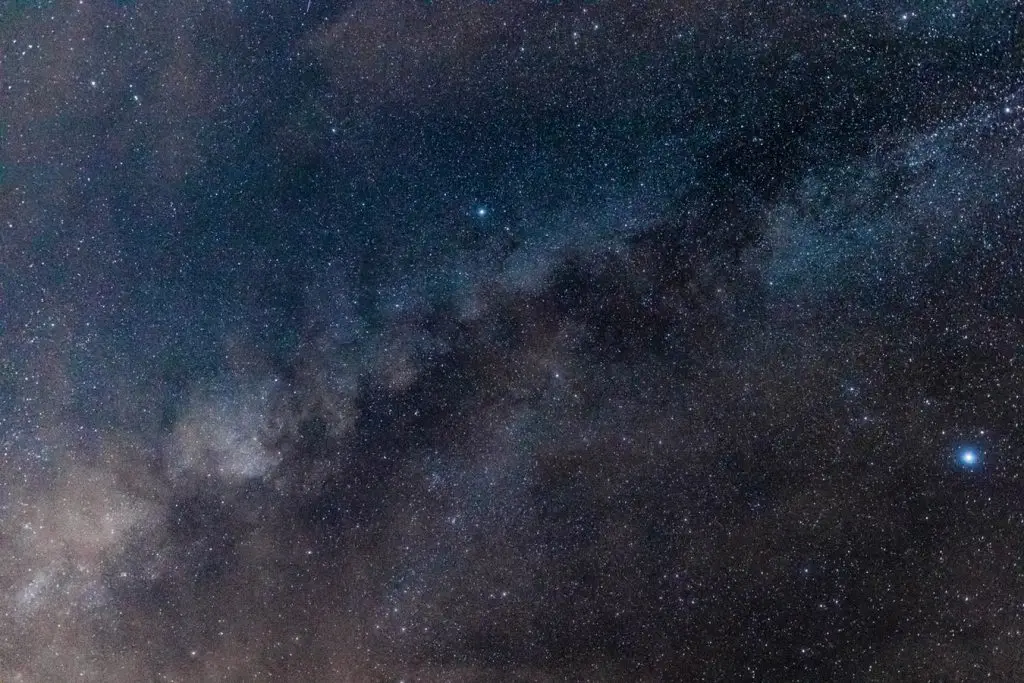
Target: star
(968, 458)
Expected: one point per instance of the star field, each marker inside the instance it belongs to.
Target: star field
(386, 340)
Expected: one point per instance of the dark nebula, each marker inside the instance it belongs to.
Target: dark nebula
(394, 340)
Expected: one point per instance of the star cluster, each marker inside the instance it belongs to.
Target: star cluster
(386, 340)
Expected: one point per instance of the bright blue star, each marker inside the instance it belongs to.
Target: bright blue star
(481, 211)
(969, 458)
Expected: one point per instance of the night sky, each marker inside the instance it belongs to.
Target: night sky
(396, 340)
